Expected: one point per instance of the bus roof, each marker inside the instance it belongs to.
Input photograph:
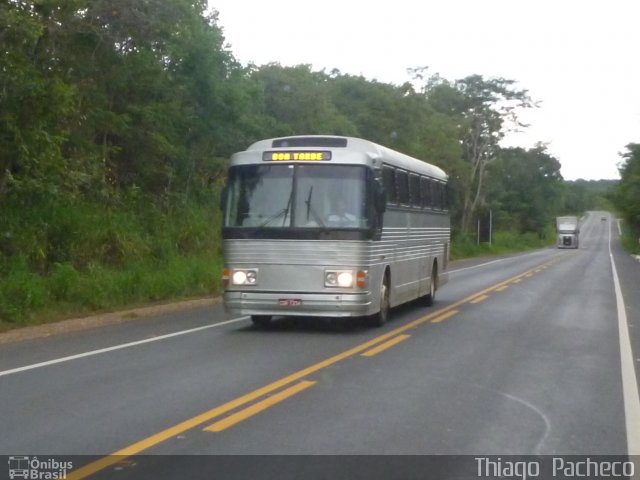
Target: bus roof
(349, 150)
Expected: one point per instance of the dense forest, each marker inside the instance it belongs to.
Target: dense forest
(117, 118)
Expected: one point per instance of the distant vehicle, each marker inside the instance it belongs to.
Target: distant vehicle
(603, 219)
(568, 232)
(331, 226)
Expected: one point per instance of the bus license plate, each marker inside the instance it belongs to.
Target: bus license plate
(289, 302)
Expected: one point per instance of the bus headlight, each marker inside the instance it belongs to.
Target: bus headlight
(338, 278)
(245, 277)
(345, 279)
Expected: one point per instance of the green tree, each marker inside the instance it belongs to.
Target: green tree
(297, 101)
(156, 91)
(98, 96)
(626, 195)
(484, 110)
(524, 189)
(582, 195)
(35, 103)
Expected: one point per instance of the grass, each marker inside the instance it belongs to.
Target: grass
(630, 242)
(465, 246)
(59, 260)
(27, 298)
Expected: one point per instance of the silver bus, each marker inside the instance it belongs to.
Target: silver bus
(330, 226)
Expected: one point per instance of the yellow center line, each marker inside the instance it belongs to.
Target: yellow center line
(145, 444)
(479, 299)
(517, 280)
(385, 346)
(502, 288)
(258, 407)
(443, 317)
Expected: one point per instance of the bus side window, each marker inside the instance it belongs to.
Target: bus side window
(436, 195)
(414, 191)
(389, 180)
(425, 191)
(403, 187)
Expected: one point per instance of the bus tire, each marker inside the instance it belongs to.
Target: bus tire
(430, 297)
(380, 318)
(262, 321)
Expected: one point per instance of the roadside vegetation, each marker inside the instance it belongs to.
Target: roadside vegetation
(467, 246)
(68, 259)
(117, 119)
(626, 197)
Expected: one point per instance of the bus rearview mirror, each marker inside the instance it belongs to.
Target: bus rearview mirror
(380, 197)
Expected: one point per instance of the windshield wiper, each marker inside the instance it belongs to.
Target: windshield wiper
(311, 210)
(275, 216)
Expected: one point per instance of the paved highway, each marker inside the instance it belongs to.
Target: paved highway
(521, 355)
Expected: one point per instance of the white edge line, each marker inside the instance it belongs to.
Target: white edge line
(629, 379)
(116, 347)
(492, 261)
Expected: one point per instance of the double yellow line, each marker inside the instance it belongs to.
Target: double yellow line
(367, 349)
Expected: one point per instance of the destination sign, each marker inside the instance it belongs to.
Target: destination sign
(296, 156)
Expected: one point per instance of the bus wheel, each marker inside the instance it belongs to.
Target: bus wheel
(261, 320)
(430, 297)
(380, 318)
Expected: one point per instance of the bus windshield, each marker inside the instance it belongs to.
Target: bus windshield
(297, 196)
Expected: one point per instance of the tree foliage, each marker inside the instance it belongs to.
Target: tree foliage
(582, 195)
(525, 189)
(102, 95)
(485, 110)
(626, 195)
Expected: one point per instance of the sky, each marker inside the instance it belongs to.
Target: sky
(579, 59)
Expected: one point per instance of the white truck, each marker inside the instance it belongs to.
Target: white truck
(568, 229)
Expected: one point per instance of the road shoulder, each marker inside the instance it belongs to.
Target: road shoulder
(101, 320)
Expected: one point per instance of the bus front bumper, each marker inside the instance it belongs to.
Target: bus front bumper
(299, 304)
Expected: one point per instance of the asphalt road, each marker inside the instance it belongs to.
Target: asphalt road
(520, 355)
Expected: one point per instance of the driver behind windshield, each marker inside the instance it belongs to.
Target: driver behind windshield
(340, 216)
